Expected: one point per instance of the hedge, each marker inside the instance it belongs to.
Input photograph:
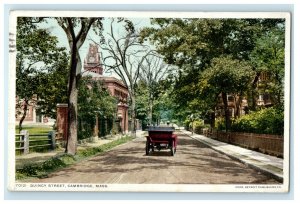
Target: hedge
(265, 121)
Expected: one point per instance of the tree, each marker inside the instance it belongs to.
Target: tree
(191, 44)
(76, 40)
(227, 76)
(37, 57)
(152, 72)
(125, 56)
(142, 103)
(94, 102)
(268, 58)
(53, 87)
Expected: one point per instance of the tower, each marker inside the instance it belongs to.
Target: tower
(92, 60)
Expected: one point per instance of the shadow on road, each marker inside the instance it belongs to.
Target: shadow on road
(192, 158)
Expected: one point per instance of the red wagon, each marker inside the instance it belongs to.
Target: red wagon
(161, 138)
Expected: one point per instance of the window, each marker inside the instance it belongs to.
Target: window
(264, 76)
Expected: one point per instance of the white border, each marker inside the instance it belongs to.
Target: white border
(148, 187)
(147, 14)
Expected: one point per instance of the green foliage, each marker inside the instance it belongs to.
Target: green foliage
(160, 103)
(194, 45)
(93, 100)
(115, 128)
(268, 58)
(39, 140)
(142, 103)
(125, 55)
(81, 154)
(40, 68)
(197, 126)
(85, 130)
(152, 77)
(64, 160)
(186, 124)
(195, 41)
(226, 75)
(36, 129)
(54, 87)
(220, 124)
(265, 121)
(41, 169)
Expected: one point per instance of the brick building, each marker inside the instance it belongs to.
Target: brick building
(92, 66)
(32, 117)
(239, 107)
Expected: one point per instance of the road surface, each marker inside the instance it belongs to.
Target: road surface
(193, 163)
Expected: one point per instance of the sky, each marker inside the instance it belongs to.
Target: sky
(57, 31)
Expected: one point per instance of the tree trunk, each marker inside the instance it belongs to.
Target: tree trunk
(75, 42)
(150, 110)
(227, 116)
(150, 114)
(212, 120)
(72, 118)
(253, 91)
(24, 114)
(133, 116)
(71, 146)
(237, 106)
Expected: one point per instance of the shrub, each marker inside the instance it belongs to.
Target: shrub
(197, 125)
(265, 121)
(220, 124)
(187, 124)
(85, 133)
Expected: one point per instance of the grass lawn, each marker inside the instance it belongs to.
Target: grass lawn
(37, 129)
(35, 140)
(40, 169)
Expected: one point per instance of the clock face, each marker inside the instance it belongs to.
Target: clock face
(91, 59)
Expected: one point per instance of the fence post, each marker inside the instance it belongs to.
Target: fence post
(51, 136)
(25, 138)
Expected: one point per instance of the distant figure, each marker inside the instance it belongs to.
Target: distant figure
(168, 123)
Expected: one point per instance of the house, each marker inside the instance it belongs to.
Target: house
(238, 107)
(32, 117)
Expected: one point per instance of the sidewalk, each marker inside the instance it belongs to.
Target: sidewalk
(265, 163)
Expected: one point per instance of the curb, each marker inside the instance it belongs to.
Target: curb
(253, 166)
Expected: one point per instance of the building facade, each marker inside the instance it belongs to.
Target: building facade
(93, 67)
(32, 117)
(239, 106)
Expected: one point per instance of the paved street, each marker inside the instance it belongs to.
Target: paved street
(193, 163)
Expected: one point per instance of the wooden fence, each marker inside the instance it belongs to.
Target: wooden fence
(26, 143)
(268, 144)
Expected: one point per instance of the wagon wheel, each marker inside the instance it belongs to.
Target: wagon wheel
(158, 147)
(173, 148)
(147, 148)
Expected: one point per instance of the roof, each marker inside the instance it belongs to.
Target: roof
(104, 78)
(92, 74)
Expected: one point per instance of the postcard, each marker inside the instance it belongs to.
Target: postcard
(120, 101)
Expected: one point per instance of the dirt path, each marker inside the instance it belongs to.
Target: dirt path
(193, 163)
